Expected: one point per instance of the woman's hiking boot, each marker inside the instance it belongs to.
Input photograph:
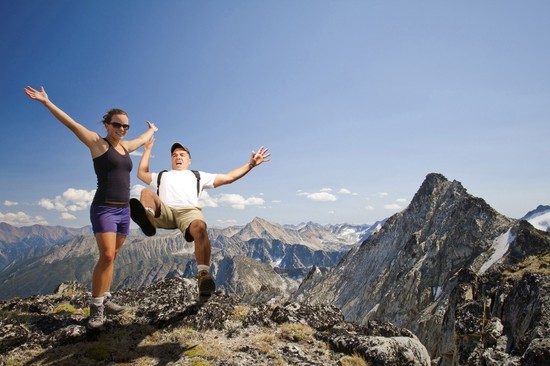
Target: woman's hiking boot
(111, 307)
(96, 319)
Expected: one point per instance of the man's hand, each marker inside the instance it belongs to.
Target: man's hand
(259, 157)
(149, 144)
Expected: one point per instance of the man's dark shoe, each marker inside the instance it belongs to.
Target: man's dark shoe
(206, 286)
(141, 217)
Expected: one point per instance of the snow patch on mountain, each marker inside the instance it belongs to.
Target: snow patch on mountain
(539, 218)
(501, 245)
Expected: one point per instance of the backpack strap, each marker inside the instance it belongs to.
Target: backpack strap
(158, 180)
(197, 175)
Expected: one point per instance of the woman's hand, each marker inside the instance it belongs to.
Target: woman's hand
(152, 125)
(41, 95)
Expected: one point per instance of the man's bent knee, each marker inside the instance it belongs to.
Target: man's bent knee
(196, 231)
(147, 193)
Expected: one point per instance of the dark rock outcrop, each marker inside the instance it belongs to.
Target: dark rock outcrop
(503, 315)
(165, 323)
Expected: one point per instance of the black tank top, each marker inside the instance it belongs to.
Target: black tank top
(113, 177)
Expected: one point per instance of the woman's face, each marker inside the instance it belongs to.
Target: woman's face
(118, 127)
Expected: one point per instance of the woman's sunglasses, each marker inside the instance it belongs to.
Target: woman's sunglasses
(119, 125)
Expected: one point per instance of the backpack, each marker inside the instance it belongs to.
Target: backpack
(197, 174)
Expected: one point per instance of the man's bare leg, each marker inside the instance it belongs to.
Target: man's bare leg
(206, 283)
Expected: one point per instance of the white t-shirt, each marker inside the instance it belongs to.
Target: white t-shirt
(178, 188)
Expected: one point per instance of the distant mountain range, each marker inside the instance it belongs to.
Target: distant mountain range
(18, 244)
(288, 251)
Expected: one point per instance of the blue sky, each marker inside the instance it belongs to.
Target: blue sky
(357, 101)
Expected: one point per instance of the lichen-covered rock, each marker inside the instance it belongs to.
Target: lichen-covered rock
(319, 317)
(504, 319)
(12, 334)
(375, 349)
(538, 352)
(69, 288)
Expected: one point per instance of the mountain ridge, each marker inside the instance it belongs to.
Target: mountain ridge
(145, 260)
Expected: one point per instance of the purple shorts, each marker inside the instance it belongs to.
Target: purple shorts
(106, 219)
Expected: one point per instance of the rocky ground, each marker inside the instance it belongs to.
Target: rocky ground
(165, 326)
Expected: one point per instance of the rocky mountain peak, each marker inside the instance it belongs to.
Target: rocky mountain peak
(541, 209)
(436, 189)
(432, 180)
(406, 271)
(539, 218)
(260, 228)
(433, 185)
(258, 221)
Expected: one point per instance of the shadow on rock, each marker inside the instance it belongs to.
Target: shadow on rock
(36, 323)
(116, 343)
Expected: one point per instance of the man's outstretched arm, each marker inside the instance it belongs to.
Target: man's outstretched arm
(143, 169)
(256, 159)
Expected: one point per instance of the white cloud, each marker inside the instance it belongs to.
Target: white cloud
(234, 200)
(135, 191)
(276, 201)
(47, 204)
(207, 201)
(392, 206)
(21, 218)
(254, 201)
(369, 208)
(344, 191)
(71, 200)
(382, 194)
(67, 216)
(10, 203)
(322, 197)
(225, 223)
(237, 201)
(401, 200)
(139, 152)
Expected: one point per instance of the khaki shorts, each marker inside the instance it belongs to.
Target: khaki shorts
(178, 218)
